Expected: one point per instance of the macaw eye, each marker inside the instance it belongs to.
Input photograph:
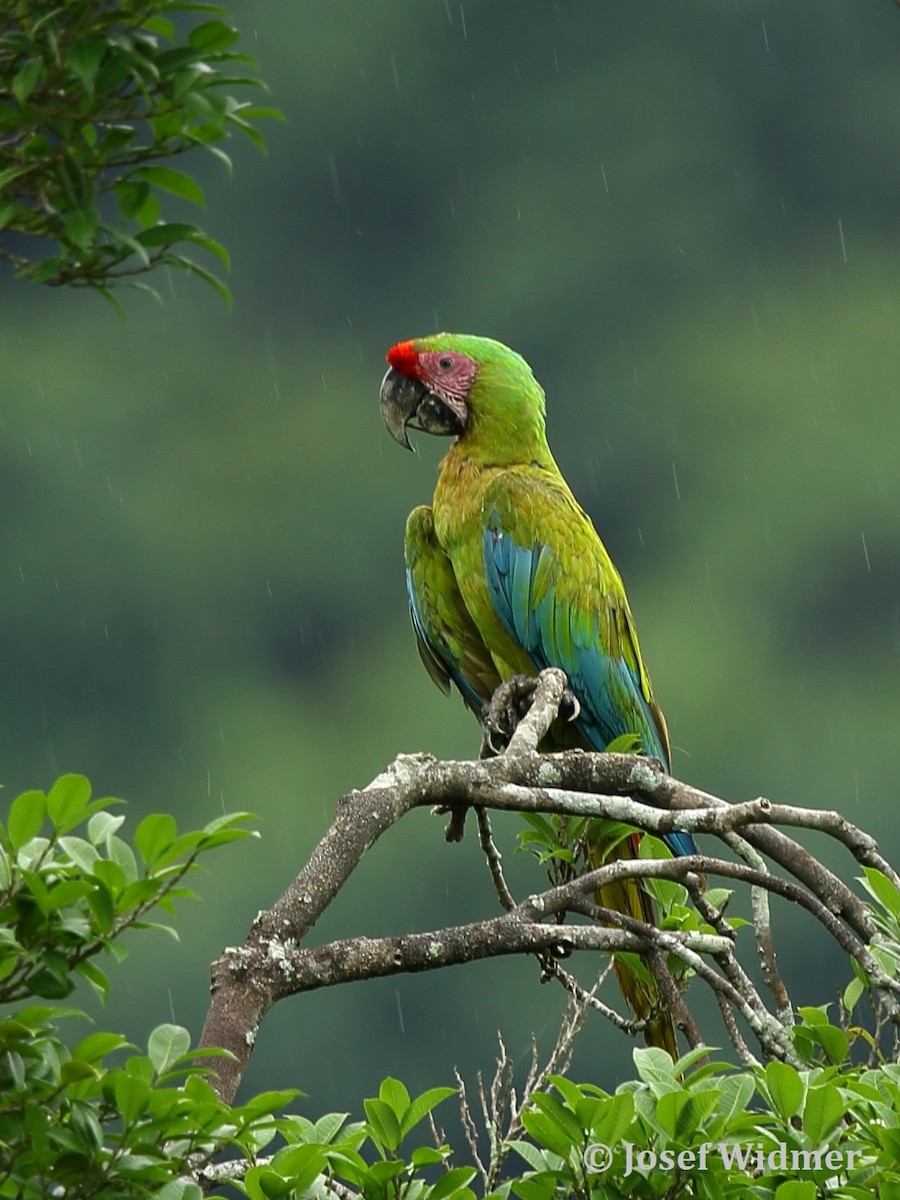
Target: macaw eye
(445, 363)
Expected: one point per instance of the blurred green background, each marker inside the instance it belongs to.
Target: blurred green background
(685, 217)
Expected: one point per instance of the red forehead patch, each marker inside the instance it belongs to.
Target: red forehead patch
(404, 358)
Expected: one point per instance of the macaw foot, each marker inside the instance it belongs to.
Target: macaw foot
(508, 705)
(503, 712)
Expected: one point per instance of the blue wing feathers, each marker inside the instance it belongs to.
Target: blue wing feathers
(608, 689)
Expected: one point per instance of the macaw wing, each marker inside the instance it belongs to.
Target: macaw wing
(557, 594)
(450, 646)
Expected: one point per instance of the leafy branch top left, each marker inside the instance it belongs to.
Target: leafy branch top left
(94, 98)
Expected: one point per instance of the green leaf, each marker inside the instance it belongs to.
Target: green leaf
(166, 233)
(300, 1165)
(48, 269)
(833, 1041)
(147, 215)
(785, 1088)
(96, 978)
(138, 893)
(67, 801)
(132, 1095)
(110, 875)
(188, 264)
(8, 212)
(625, 743)
(179, 1189)
(654, 1065)
(68, 893)
(328, 1126)
(383, 1172)
(133, 247)
(453, 1181)
(97, 1046)
(26, 816)
(161, 25)
(52, 981)
(212, 35)
(177, 183)
(570, 1092)
(85, 1125)
(218, 153)
(16, 1067)
(11, 173)
(33, 881)
(214, 247)
(534, 1157)
(82, 853)
(551, 1107)
(76, 1071)
(687, 1060)
(852, 994)
(814, 1015)
(422, 1106)
(614, 1117)
(547, 1132)
(227, 821)
(735, 1094)
(822, 1111)
(102, 906)
(252, 1184)
(24, 81)
(427, 1156)
(543, 1188)
(123, 856)
(668, 1111)
(84, 58)
(133, 195)
(154, 835)
(885, 956)
(384, 1123)
(269, 1102)
(167, 1043)
(881, 888)
(691, 1116)
(102, 826)
(796, 1189)
(255, 112)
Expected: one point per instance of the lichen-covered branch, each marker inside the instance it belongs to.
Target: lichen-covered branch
(275, 961)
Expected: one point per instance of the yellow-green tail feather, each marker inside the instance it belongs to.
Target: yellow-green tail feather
(642, 996)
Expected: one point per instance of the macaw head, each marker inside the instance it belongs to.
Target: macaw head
(472, 388)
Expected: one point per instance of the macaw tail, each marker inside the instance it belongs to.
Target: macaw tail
(628, 897)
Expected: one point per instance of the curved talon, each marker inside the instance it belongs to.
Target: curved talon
(570, 706)
(489, 747)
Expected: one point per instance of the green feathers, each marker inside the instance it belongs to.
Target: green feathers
(449, 644)
(505, 401)
(506, 574)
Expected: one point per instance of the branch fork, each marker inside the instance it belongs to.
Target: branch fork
(274, 962)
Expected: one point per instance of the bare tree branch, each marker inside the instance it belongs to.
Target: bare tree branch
(274, 962)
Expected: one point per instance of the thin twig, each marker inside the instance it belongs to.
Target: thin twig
(494, 860)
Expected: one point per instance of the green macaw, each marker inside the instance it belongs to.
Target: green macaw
(506, 576)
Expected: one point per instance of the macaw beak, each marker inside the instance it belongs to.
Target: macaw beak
(399, 401)
(408, 404)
